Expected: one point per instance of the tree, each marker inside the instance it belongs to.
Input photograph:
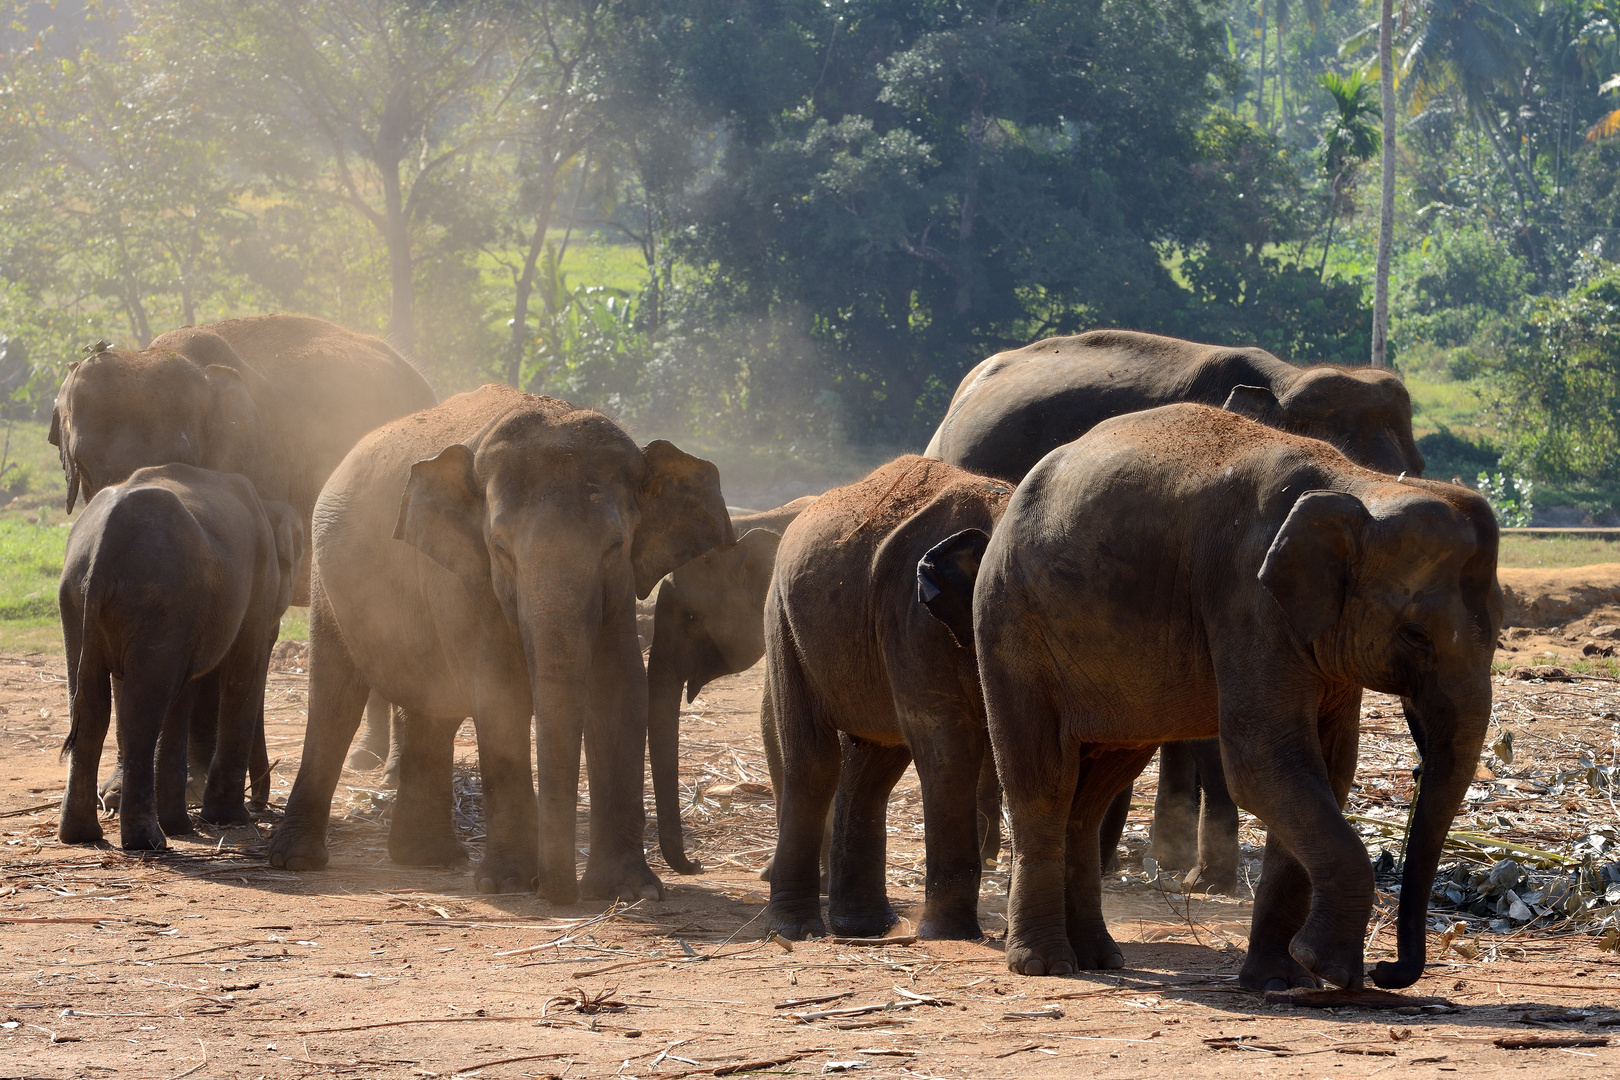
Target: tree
(371, 103)
(1386, 197)
(1349, 140)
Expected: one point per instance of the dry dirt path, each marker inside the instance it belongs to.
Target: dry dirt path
(206, 962)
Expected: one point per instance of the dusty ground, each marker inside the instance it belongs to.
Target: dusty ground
(206, 962)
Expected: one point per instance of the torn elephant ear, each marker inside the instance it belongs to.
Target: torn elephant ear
(945, 577)
(1256, 402)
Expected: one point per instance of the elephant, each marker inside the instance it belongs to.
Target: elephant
(862, 681)
(279, 398)
(482, 558)
(174, 583)
(1187, 573)
(1014, 407)
(707, 623)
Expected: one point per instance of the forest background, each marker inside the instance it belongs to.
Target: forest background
(784, 229)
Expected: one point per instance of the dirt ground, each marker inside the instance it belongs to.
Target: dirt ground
(206, 962)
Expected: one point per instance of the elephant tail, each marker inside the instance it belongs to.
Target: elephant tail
(90, 675)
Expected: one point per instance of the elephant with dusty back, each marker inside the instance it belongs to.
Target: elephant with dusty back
(1184, 573)
(1016, 406)
(483, 558)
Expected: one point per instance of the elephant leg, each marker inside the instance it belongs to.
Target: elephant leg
(145, 706)
(240, 701)
(337, 697)
(615, 742)
(1216, 871)
(375, 738)
(857, 896)
(170, 786)
(773, 760)
(989, 810)
(421, 832)
(1175, 808)
(92, 714)
(948, 767)
(259, 765)
(810, 776)
(1311, 908)
(202, 732)
(1039, 770)
(511, 860)
(1112, 828)
(1101, 778)
(112, 788)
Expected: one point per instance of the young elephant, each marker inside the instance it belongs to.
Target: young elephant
(174, 583)
(707, 624)
(853, 658)
(482, 558)
(1185, 572)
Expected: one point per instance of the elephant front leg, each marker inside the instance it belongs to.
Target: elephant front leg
(858, 902)
(615, 735)
(421, 832)
(1281, 902)
(511, 860)
(1216, 871)
(375, 738)
(1175, 808)
(1101, 779)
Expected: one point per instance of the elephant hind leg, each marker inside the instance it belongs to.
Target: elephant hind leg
(1112, 828)
(809, 778)
(1102, 777)
(858, 902)
(1216, 871)
(1175, 808)
(421, 832)
(371, 750)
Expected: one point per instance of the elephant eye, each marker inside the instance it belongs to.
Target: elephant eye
(1417, 637)
(501, 550)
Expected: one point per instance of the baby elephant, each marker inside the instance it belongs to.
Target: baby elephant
(863, 680)
(174, 583)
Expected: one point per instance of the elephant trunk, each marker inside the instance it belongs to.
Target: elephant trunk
(558, 648)
(665, 678)
(1449, 739)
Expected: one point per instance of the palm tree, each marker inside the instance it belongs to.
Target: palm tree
(1349, 139)
(1386, 202)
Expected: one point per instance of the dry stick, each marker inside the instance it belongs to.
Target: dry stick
(211, 948)
(510, 1060)
(402, 1023)
(52, 805)
(194, 1068)
(60, 919)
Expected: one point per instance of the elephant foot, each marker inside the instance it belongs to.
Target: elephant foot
(1272, 972)
(143, 835)
(508, 872)
(861, 919)
(390, 777)
(1205, 878)
(631, 879)
(795, 922)
(1337, 963)
(425, 847)
(196, 790)
(295, 846)
(1056, 958)
(949, 926)
(1096, 950)
(79, 829)
(362, 759)
(226, 813)
(177, 825)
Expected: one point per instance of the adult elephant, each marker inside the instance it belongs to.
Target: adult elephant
(708, 623)
(1185, 573)
(1016, 406)
(278, 398)
(500, 585)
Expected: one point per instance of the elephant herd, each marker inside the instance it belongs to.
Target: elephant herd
(1113, 542)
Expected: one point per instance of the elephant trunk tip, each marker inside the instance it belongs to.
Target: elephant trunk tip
(675, 856)
(1398, 974)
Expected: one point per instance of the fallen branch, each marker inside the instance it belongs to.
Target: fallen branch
(508, 1061)
(1551, 1042)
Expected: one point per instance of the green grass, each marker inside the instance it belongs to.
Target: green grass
(30, 565)
(1438, 403)
(1551, 552)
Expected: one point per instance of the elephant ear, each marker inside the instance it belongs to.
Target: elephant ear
(945, 577)
(288, 529)
(683, 513)
(57, 439)
(230, 435)
(441, 515)
(759, 560)
(1309, 566)
(1256, 402)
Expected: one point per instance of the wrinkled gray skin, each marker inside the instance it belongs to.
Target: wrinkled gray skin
(173, 583)
(377, 745)
(708, 623)
(483, 558)
(1016, 406)
(864, 680)
(278, 398)
(1182, 573)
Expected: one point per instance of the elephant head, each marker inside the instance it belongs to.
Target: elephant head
(557, 520)
(119, 411)
(1365, 412)
(1399, 594)
(707, 623)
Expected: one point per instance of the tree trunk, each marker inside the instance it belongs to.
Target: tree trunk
(1260, 100)
(1386, 202)
(397, 235)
